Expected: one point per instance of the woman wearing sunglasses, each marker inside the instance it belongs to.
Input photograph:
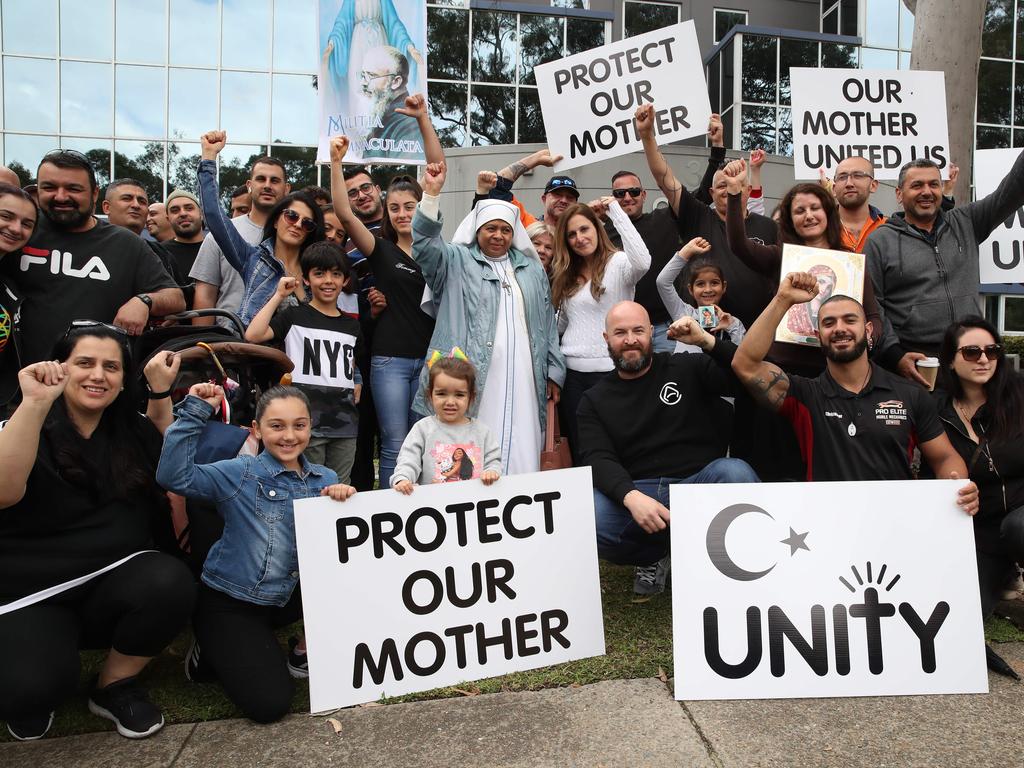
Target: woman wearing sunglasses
(982, 408)
(293, 224)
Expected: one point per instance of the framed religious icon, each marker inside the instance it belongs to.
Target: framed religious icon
(837, 272)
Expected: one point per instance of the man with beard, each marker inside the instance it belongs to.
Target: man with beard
(385, 84)
(657, 420)
(217, 283)
(852, 186)
(855, 421)
(77, 266)
(186, 217)
(126, 205)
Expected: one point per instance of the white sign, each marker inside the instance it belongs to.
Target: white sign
(456, 582)
(1001, 257)
(787, 590)
(888, 116)
(588, 99)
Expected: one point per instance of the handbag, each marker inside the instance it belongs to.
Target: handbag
(556, 453)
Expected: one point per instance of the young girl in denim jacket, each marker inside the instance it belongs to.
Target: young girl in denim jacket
(250, 578)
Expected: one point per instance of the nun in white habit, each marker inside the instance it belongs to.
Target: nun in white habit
(493, 301)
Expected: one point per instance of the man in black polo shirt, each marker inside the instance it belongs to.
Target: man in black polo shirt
(855, 421)
(659, 419)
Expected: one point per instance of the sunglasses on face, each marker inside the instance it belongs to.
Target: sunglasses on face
(362, 189)
(631, 191)
(294, 217)
(972, 352)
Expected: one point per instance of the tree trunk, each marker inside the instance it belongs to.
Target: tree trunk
(947, 38)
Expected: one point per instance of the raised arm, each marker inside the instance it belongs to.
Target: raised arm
(259, 330)
(354, 227)
(161, 372)
(238, 252)
(768, 383)
(716, 140)
(429, 249)
(755, 203)
(666, 280)
(765, 259)
(987, 213)
(632, 244)
(542, 157)
(663, 175)
(416, 106)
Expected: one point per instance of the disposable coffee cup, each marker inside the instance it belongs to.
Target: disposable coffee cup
(928, 367)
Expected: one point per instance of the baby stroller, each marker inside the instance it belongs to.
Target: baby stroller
(245, 371)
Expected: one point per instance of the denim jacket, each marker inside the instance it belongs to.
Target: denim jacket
(255, 559)
(259, 268)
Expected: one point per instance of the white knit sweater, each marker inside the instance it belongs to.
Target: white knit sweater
(581, 319)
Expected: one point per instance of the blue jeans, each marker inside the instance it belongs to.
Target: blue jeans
(660, 341)
(620, 540)
(394, 381)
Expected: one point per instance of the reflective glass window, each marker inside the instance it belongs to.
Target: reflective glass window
(30, 94)
(838, 56)
(98, 152)
(142, 161)
(492, 115)
(759, 68)
(906, 28)
(141, 31)
(714, 78)
(23, 153)
(726, 20)
(542, 42)
(997, 29)
(645, 17)
(182, 166)
(295, 110)
(86, 98)
(582, 35)
(194, 33)
(1018, 94)
(246, 34)
(141, 101)
(192, 103)
(881, 21)
(830, 22)
(904, 60)
(531, 123)
(794, 53)
(848, 24)
(87, 29)
(294, 21)
(758, 128)
(876, 58)
(448, 113)
(448, 43)
(994, 78)
(30, 26)
(785, 132)
(245, 106)
(494, 46)
(993, 138)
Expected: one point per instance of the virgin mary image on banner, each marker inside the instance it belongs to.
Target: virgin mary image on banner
(371, 59)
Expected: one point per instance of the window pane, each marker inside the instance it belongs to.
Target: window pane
(830, 22)
(904, 60)
(582, 35)
(726, 20)
(993, 138)
(98, 152)
(1020, 29)
(195, 32)
(492, 115)
(727, 126)
(644, 17)
(1018, 138)
(994, 91)
(246, 34)
(140, 100)
(30, 94)
(876, 58)
(838, 56)
(448, 113)
(848, 22)
(906, 28)
(140, 31)
(794, 53)
(542, 42)
(300, 163)
(494, 46)
(294, 21)
(758, 131)
(245, 106)
(531, 124)
(997, 32)
(1013, 320)
(448, 43)
(87, 29)
(86, 98)
(714, 78)
(142, 161)
(23, 153)
(295, 110)
(759, 74)
(785, 132)
(1018, 96)
(728, 76)
(881, 18)
(182, 166)
(30, 26)
(192, 103)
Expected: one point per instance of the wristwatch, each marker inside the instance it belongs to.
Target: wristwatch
(146, 299)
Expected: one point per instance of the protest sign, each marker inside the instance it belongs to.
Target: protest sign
(371, 58)
(824, 589)
(888, 116)
(838, 273)
(456, 582)
(1000, 258)
(588, 99)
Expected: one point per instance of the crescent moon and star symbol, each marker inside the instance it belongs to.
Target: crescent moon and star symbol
(719, 555)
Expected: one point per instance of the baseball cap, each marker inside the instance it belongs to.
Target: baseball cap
(562, 182)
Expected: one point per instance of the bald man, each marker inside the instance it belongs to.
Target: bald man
(658, 419)
(7, 176)
(853, 185)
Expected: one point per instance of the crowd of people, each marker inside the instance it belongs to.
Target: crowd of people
(653, 331)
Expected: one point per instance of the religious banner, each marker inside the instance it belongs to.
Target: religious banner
(372, 56)
(824, 589)
(455, 582)
(888, 116)
(837, 272)
(1000, 257)
(588, 100)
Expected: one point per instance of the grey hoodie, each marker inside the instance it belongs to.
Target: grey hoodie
(923, 288)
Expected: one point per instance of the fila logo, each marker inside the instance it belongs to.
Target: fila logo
(60, 263)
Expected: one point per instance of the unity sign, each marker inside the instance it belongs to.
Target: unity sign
(824, 589)
(456, 582)
(588, 99)
(1001, 256)
(888, 116)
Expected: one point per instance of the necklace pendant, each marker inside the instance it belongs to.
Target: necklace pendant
(852, 430)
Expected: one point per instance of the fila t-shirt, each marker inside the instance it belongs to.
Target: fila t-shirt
(869, 435)
(67, 276)
(323, 351)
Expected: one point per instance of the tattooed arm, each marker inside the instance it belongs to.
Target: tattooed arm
(768, 383)
(663, 175)
(541, 157)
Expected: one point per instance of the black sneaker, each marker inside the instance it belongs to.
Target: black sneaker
(30, 728)
(298, 663)
(195, 670)
(125, 703)
(649, 580)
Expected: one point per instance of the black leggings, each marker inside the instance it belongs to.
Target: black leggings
(236, 639)
(136, 609)
(996, 562)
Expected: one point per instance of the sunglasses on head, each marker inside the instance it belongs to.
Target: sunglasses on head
(294, 217)
(972, 352)
(561, 183)
(631, 191)
(78, 325)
